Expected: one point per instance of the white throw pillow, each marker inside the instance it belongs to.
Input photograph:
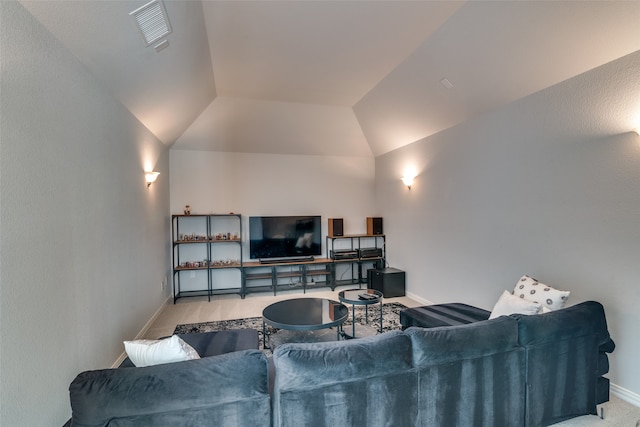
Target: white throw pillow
(530, 289)
(509, 304)
(155, 352)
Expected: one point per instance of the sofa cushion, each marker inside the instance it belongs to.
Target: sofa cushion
(470, 374)
(447, 344)
(366, 381)
(154, 352)
(530, 289)
(229, 389)
(582, 319)
(509, 304)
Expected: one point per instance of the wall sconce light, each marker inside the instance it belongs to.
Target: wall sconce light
(408, 181)
(151, 177)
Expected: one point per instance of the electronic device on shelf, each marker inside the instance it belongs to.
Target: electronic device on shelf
(343, 254)
(285, 237)
(370, 252)
(283, 260)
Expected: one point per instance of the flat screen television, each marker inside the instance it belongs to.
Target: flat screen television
(284, 236)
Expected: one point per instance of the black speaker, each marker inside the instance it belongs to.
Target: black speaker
(389, 281)
(336, 227)
(374, 226)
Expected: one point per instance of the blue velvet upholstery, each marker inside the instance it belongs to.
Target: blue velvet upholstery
(230, 389)
(566, 355)
(433, 316)
(364, 382)
(510, 371)
(469, 375)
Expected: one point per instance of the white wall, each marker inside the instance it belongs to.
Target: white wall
(84, 243)
(546, 186)
(271, 184)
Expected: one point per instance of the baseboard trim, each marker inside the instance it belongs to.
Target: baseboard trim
(144, 329)
(419, 299)
(626, 395)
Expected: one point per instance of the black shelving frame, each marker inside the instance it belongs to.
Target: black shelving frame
(358, 277)
(210, 240)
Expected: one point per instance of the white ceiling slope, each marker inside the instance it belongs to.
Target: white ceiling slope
(354, 78)
(493, 53)
(273, 127)
(165, 90)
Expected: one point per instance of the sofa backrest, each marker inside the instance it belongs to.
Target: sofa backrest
(564, 361)
(363, 382)
(230, 389)
(469, 375)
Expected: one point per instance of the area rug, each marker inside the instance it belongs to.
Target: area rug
(390, 321)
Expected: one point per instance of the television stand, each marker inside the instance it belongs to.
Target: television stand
(285, 260)
(287, 274)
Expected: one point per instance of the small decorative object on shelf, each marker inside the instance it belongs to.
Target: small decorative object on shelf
(225, 236)
(187, 210)
(192, 238)
(225, 263)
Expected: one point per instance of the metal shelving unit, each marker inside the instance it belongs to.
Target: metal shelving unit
(361, 249)
(203, 246)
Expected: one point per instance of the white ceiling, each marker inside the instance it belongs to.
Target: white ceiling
(355, 78)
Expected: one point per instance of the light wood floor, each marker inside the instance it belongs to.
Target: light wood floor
(227, 307)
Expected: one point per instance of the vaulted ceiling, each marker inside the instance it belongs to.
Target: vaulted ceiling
(352, 78)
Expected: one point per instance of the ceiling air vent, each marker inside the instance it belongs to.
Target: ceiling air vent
(152, 21)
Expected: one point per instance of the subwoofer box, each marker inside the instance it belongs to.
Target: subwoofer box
(389, 281)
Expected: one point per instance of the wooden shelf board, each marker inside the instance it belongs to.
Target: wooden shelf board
(253, 264)
(317, 272)
(355, 236)
(256, 276)
(288, 274)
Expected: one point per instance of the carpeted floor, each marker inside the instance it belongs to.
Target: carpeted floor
(390, 321)
(617, 413)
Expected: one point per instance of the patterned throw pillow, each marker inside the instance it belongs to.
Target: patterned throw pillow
(530, 289)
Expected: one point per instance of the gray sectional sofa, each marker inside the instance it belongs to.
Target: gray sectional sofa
(510, 371)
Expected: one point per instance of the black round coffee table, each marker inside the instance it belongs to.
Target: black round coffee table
(304, 314)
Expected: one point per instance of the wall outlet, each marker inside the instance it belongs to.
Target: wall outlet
(163, 284)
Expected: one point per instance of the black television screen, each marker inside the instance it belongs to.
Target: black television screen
(284, 236)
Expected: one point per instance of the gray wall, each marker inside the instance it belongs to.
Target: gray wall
(84, 244)
(547, 186)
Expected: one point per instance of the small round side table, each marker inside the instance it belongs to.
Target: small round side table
(364, 297)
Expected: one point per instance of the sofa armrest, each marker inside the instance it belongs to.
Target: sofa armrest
(167, 393)
(564, 362)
